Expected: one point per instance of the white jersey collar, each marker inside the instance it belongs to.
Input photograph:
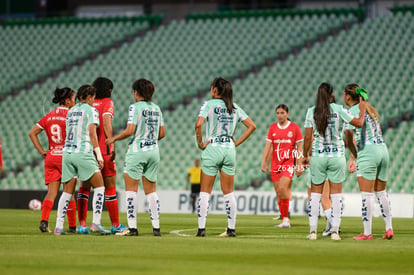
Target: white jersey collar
(281, 127)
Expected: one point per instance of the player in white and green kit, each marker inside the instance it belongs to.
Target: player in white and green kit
(371, 163)
(222, 118)
(325, 122)
(79, 160)
(146, 127)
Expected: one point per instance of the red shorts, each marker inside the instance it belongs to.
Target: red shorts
(53, 168)
(109, 167)
(282, 169)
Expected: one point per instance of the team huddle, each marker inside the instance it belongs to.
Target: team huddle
(82, 148)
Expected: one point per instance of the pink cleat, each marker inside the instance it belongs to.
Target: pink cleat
(363, 237)
(388, 234)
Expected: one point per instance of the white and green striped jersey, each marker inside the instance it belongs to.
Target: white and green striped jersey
(332, 145)
(220, 125)
(78, 120)
(370, 133)
(148, 119)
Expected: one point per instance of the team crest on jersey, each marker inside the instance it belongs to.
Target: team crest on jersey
(274, 134)
(290, 134)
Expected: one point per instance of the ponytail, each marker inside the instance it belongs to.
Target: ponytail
(322, 113)
(225, 91)
(356, 93)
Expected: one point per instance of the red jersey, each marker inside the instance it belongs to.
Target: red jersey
(105, 106)
(284, 141)
(54, 124)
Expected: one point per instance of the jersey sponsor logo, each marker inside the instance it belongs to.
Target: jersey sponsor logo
(282, 141)
(146, 113)
(219, 110)
(220, 140)
(146, 143)
(75, 113)
(328, 150)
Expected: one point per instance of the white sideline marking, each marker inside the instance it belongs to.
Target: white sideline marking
(178, 232)
(277, 234)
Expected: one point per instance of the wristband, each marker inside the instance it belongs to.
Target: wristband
(98, 153)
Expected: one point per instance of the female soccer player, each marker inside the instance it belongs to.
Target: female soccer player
(222, 117)
(372, 162)
(146, 126)
(54, 125)
(105, 106)
(79, 160)
(326, 122)
(284, 139)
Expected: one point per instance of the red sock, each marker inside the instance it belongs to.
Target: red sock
(284, 208)
(111, 203)
(280, 209)
(71, 214)
(82, 201)
(46, 208)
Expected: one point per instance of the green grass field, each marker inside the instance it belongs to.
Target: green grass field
(258, 249)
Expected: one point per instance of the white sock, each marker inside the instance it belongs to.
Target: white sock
(314, 211)
(62, 209)
(97, 204)
(231, 209)
(367, 204)
(131, 201)
(202, 209)
(328, 215)
(154, 209)
(385, 205)
(336, 211)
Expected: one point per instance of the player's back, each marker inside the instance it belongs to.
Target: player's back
(54, 124)
(105, 106)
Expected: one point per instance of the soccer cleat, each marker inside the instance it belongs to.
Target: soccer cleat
(72, 229)
(335, 236)
(327, 231)
(312, 236)
(201, 232)
(228, 233)
(128, 232)
(363, 237)
(59, 231)
(156, 232)
(118, 229)
(83, 230)
(284, 224)
(388, 234)
(98, 228)
(44, 226)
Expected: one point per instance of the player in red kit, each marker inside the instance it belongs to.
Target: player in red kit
(54, 124)
(285, 139)
(105, 106)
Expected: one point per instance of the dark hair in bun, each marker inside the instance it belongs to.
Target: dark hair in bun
(62, 94)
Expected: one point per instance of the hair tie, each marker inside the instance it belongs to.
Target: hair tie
(362, 92)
